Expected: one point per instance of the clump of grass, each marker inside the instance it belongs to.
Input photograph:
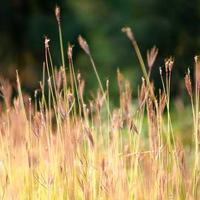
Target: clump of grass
(61, 147)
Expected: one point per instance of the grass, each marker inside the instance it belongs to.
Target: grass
(58, 146)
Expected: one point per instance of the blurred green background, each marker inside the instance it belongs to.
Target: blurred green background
(171, 25)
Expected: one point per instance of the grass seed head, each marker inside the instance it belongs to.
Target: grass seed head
(70, 51)
(197, 66)
(46, 42)
(57, 13)
(83, 44)
(188, 83)
(129, 33)
(169, 63)
(151, 56)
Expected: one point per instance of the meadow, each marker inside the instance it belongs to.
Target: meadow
(58, 145)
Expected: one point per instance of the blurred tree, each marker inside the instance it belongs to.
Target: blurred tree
(171, 25)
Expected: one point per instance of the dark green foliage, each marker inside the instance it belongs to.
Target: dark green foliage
(173, 26)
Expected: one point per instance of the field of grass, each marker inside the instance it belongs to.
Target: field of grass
(57, 145)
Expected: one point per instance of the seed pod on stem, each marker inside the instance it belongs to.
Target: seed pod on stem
(151, 56)
(57, 14)
(129, 33)
(84, 45)
(188, 83)
(70, 51)
(197, 68)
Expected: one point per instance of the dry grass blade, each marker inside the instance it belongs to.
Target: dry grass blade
(90, 137)
(58, 74)
(142, 93)
(133, 127)
(120, 81)
(6, 90)
(162, 102)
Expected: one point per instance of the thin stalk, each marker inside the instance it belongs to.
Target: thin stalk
(61, 44)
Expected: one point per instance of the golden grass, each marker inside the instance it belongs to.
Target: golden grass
(59, 146)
